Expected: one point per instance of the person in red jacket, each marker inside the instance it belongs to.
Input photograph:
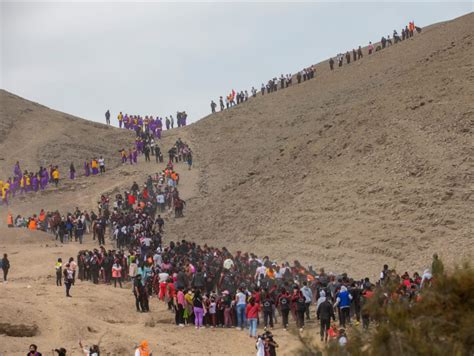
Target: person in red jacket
(251, 312)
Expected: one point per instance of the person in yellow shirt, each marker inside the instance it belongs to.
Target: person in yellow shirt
(123, 154)
(5, 189)
(95, 166)
(55, 176)
(27, 183)
(120, 119)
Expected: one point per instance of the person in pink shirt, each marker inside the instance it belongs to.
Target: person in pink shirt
(180, 302)
(117, 273)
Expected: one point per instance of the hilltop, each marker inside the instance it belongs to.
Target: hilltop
(36, 135)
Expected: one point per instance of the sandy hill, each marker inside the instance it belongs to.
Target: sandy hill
(36, 135)
(365, 165)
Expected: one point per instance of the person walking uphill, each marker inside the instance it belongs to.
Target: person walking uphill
(251, 312)
(300, 301)
(241, 302)
(343, 301)
(324, 313)
(308, 295)
(5, 267)
(68, 279)
(107, 117)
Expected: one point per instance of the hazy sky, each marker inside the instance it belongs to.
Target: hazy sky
(156, 58)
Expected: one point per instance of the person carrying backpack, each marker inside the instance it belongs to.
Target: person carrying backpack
(284, 301)
(267, 304)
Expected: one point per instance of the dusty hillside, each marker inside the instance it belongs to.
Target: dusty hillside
(36, 135)
(366, 165)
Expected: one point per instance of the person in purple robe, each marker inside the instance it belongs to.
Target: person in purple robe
(72, 171)
(43, 182)
(87, 168)
(135, 156)
(130, 156)
(44, 179)
(14, 184)
(17, 169)
(34, 183)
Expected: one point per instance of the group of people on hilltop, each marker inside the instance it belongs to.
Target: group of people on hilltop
(153, 125)
(93, 167)
(284, 81)
(357, 54)
(24, 182)
(146, 146)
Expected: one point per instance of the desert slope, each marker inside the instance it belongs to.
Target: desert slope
(36, 135)
(366, 165)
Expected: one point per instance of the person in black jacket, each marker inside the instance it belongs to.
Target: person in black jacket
(5, 267)
(324, 313)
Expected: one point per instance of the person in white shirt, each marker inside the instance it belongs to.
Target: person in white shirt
(260, 273)
(241, 304)
(101, 165)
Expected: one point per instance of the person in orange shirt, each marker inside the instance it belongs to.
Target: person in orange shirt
(41, 220)
(10, 220)
(333, 332)
(32, 223)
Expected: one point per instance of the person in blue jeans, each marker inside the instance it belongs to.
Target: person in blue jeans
(251, 312)
(241, 303)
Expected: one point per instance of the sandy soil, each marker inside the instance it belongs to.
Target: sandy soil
(366, 165)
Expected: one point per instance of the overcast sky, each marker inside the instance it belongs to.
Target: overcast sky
(156, 58)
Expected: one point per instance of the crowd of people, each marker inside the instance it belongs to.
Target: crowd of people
(385, 42)
(24, 181)
(284, 81)
(143, 349)
(158, 194)
(210, 287)
(153, 125)
(202, 285)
